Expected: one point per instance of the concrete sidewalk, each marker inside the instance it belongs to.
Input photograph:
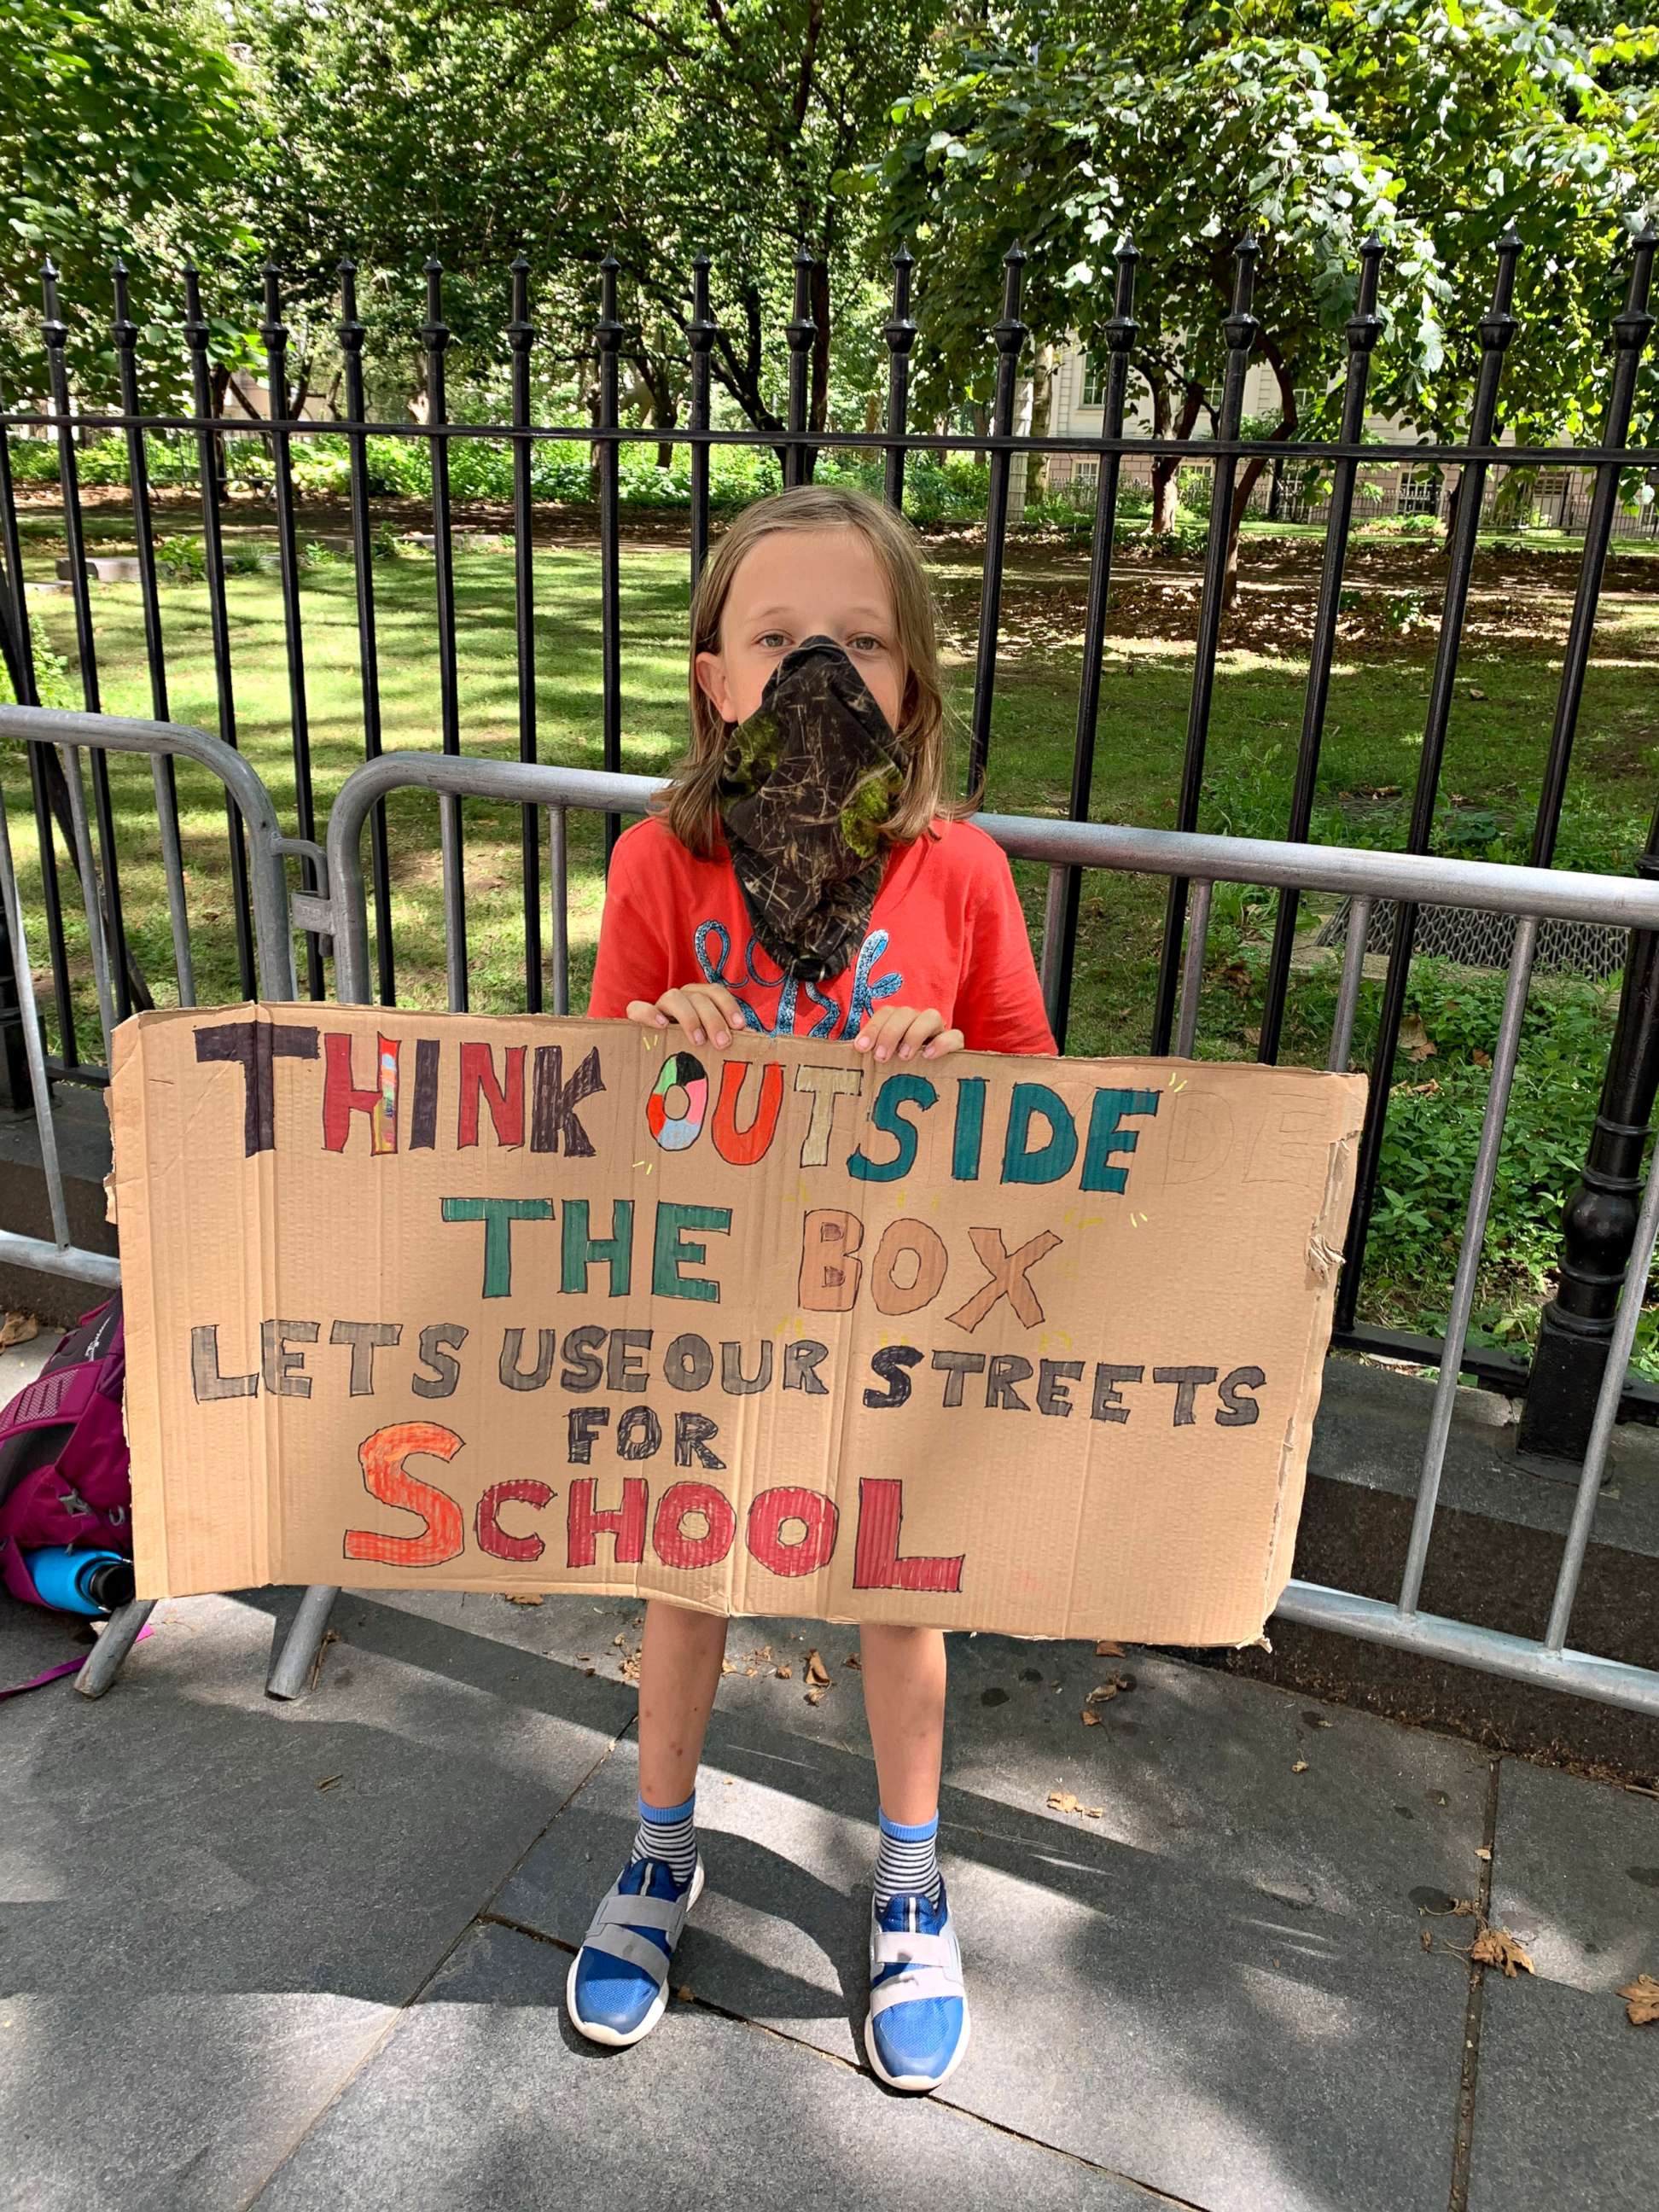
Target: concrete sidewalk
(314, 1955)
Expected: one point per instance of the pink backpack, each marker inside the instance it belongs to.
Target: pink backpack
(63, 1472)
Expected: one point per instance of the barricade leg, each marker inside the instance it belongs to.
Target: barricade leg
(293, 1669)
(108, 1655)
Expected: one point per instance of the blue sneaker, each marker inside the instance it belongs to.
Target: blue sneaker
(917, 2030)
(618, 1987)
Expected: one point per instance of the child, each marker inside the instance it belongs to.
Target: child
(804, 877)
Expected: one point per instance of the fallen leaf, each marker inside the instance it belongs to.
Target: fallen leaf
(523, 1597)
(329, 1781)
(785, 1672)
(853, 1661)
(1091, 1718)
(1062, 1801)
(1102, 1693)
(750, 1672)
(1414, 1040)
(18, 1329)
(1496, 1946)
(619, 1637)
(683, 1993)
(765, 1652)
(1483, 1853)
(1300, 1767)
(1427, 1939)
(727, 1668)
(1107, 1650)
(816, 1672)
(815, 1697)
(1476, 692)
(1480, 1059)
(1643, 2006)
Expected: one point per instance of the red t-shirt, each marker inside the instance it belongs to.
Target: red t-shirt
(947, 932)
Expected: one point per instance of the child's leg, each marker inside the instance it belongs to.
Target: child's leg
(679, 1673)
(917, 2028)
(904, 1703)
(617, 1984)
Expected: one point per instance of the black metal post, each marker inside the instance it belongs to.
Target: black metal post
(1239, 329)
(1498, 327)
(19, 661)
(801, 331)
(608, 337)
(351, 332)
(700, 334)
(274, 331)
(1364, 331)
(521, 336)
(123, 975)
(16, 1092)
(197, 335)
(1009, 334)
(1599, 1221)
(900, 333)
(1120, 336)
(435, 337)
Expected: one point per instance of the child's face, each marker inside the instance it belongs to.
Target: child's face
(796, 584)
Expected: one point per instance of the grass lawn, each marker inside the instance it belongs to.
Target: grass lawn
(1495, 752)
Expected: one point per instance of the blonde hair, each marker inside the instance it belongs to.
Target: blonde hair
(690, 805)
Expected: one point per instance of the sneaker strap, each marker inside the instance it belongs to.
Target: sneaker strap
(895, 1947)
(914, 1984)
(625, 1943)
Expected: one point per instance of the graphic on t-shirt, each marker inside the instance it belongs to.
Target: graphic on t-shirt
(867, 988)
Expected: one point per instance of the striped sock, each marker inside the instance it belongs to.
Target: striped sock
(669, 1832)
(907, 1861)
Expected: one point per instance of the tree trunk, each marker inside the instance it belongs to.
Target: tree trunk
(1042, 397)
(1251, 473)
(1166, 468)
(221, 469)
(818, 409)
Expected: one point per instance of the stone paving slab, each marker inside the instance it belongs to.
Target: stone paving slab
(484, 2101)
(1217, 1987)
(216, 1903)
(1567, 2101)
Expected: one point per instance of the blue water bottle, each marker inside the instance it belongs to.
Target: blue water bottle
(89, 1582)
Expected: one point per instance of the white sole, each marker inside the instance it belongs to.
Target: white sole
(620, 2039)
(917, 2084)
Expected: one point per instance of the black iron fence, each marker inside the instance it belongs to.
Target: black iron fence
(1601, 1218)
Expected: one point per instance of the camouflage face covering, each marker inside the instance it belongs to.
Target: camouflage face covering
(806, 786)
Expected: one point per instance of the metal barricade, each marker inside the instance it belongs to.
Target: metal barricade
(1530, 894)
(338, 909)
(268, 850)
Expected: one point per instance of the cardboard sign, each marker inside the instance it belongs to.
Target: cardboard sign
(433, 1300)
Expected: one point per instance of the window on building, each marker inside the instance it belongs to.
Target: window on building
(1094, 380)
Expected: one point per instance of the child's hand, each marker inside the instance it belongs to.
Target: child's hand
(706, 1012)
(902, 1031)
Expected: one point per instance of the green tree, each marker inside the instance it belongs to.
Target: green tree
(123, 126)
(1429, 124)
(649, 129)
